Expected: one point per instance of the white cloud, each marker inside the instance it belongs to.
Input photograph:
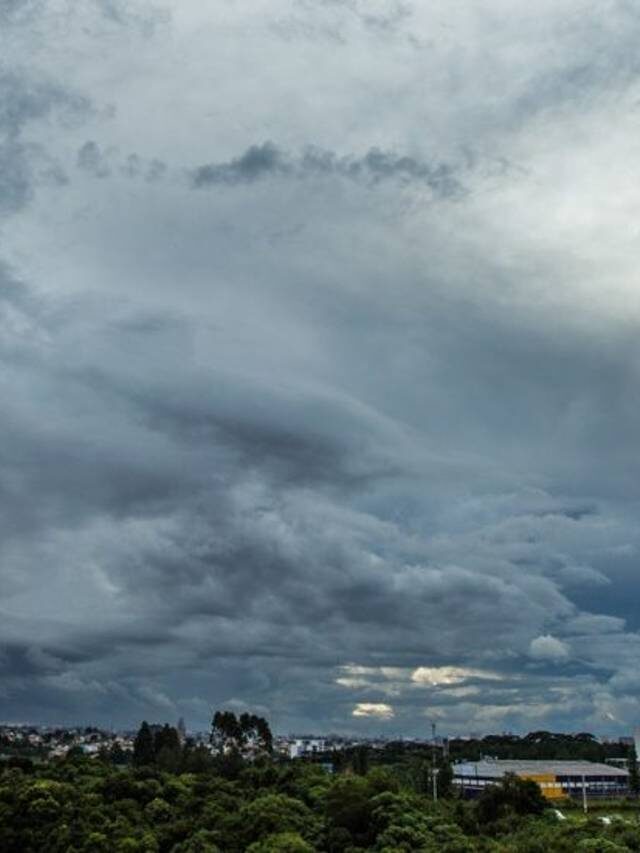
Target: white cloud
(433, 676)
(547, 647)
(379, 710)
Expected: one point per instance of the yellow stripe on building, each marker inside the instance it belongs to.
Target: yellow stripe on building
(549, 785)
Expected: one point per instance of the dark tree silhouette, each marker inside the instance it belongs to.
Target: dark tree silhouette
(143, 747)
(512, 795)
(249, 734)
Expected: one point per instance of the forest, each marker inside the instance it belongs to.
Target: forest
(237, 796)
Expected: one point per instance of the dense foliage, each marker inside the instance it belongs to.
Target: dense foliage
(543, 745)
(226, 803)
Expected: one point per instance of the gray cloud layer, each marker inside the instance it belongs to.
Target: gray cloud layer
(24, 161)
(359, 459)
(261, 161)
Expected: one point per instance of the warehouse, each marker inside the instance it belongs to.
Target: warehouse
(557, 779)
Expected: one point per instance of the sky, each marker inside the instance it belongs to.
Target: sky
(320, 364)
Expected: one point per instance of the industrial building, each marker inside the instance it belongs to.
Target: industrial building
(557, 779)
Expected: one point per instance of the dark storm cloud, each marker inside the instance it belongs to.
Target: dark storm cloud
(216, 512)
(210, 551)
(135, 167)
(92, 160)
(267, 160)
(212, 416)
(372, 466)
(257, 162)
(102, 162)
(26, 662)
(24, 102)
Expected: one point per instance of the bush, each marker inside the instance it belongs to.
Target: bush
(599, 845)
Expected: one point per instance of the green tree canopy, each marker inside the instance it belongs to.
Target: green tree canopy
(512, 795)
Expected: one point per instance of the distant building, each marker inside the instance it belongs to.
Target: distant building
(182, 730)
(299, 747)
(557, 779)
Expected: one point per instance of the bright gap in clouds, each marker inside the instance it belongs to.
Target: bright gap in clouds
(379, 711)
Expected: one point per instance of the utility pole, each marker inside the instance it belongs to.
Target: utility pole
(585, 806)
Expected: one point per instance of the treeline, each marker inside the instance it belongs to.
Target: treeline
(232, 742)
(538, 745)
(541, 745)
(234, 796)
(413, 763)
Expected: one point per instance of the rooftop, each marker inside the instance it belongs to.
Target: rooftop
(496, 769)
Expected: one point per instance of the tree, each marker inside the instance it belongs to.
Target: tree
(361, 760)
(422, 778)
(143, 747)
(271, 814)
(255, 733)
(600, 845)
(281, 842)
(225, 732)
(248, 735)
(348, 807)
(201, 842)
(167, 749)
(166, 738)
(169, 759)
(75, 753)
(444, 780)
(158, 811)
(196, 759)
(512, 795)
(117, 755)
(634, 777)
